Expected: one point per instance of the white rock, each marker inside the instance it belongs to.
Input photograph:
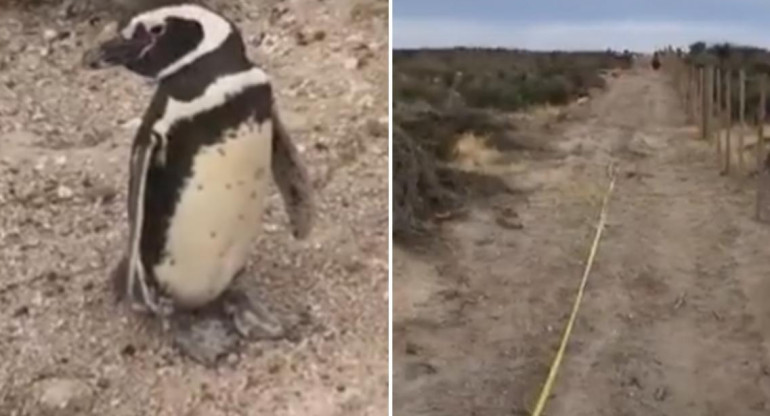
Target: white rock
(61, 397)
(355, 39)
(50, 34)
(351, 63)
(64, 192)
(40, 165)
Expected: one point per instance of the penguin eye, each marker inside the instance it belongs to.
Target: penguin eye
(157, 30)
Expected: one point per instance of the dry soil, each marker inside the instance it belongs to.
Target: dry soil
(675, 320)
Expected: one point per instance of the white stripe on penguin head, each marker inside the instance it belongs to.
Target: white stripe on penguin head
(215, 30)
(215, 95)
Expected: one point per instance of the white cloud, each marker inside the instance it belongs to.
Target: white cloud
(618, 35)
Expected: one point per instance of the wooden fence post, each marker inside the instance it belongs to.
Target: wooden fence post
(742, 116)
(699, 82)
(693, 87)
(707, 88)
(684, 85)
(728, 117)
(763, 177)
(688, 97)
(717, 114)
(718, 97)
(761, 118)
(683, 79)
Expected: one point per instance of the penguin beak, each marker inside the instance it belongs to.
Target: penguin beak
(117, 51)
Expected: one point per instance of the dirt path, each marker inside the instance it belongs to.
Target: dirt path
(675, 320)
(64, 138)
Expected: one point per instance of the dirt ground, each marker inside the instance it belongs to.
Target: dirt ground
(64, 139)
(675, 320)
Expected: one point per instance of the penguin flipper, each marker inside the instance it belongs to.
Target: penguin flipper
(292, 180)
(130, 276)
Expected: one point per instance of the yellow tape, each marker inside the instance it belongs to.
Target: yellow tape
(548, 386)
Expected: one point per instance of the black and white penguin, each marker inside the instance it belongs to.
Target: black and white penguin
(201, 158)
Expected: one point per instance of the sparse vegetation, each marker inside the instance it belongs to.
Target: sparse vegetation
(441, 94)
(498, 78)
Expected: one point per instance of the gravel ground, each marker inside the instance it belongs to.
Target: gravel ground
(67, 349)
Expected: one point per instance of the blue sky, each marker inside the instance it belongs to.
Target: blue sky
(640, 25)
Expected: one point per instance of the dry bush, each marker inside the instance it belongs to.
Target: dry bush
(472, 150)
(447, 108)
(500, 79)
(418, 192)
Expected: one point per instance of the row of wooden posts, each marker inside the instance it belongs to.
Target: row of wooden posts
(707, 93)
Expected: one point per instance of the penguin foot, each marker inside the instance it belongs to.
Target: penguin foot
(216, 331)
(251, 318)
(204, 336)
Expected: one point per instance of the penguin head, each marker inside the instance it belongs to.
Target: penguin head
(160, 42)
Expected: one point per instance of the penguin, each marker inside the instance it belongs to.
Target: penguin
(199, 163)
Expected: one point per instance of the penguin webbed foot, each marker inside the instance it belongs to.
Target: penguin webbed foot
(205, 338)
(250, 318)
(217, 330)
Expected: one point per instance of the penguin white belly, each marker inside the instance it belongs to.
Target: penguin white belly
(217, 217)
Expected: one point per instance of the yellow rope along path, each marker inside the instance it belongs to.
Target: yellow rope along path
(546, 392)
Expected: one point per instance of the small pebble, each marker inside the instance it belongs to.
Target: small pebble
(62, 397)
(50, 35)
(129, 350)
(21, 311)
(103, 383)
(64, 192)
(352, 63)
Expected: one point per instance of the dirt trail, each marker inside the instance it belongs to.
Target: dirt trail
(674, 321)
(65, 134)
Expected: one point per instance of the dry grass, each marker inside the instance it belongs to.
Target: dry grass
(472, 150)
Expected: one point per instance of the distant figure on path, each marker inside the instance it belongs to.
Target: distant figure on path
(655, 61)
